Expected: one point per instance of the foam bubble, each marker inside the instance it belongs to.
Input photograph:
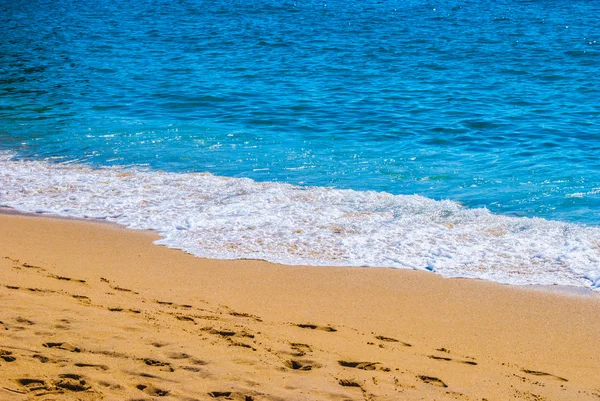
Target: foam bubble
(218, 217)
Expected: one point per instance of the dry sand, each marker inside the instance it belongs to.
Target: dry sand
(90, 311)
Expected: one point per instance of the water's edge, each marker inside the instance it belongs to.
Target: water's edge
(230, 218)
(561, 290)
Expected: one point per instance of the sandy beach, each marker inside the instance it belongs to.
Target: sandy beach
(91, 311)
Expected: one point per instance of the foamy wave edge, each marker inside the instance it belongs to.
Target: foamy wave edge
(237, 218)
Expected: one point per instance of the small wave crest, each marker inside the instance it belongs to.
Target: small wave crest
(232, 218)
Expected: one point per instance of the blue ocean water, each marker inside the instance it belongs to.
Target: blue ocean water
(491, 104)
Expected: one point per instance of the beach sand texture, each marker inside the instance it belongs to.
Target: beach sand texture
(90, 311)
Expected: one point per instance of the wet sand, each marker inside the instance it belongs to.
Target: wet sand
(91, 311)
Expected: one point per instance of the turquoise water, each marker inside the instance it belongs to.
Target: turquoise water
(492, 104)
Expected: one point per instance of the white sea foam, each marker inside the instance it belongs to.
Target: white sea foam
(218, 217)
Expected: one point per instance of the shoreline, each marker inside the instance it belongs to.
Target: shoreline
(115, 316)
(554, 288)
(226, 217)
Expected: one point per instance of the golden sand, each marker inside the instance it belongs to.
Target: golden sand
(90, 311)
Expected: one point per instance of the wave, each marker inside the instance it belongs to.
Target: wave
(236, 218)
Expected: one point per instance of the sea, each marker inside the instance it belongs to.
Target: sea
(459, 137)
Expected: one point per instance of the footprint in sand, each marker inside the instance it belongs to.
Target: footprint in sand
(230, 395)
(65, 383)
(315, 327)
(192, 368)
(247, 315)
(168, 303)
(91, 365)
(63, 346)
(33, 384)
(65, 278)
(363, 365)
(538, 373)
(162, 365)
(24, 321)
(82, 298)
(117, 288)
(40, 290)
(179, 355)
(392, 340)
(185, 318)
(239, 344)
(297, 364)
(187, 357)
(152, 390)
(6, 356)
(29, 266)
(229, 333)
(301, 349)
(230, 337)
(148, 375)
(433, 381)
(349, 383)
(445, 358)
(110, 385)
(71, 382)
(41, 358)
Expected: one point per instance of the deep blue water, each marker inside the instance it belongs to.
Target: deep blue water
(489, 103)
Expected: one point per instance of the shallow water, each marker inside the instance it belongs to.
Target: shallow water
(491, 104)
(218, 217)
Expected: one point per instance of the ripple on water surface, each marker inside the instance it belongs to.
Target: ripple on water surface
(497, 99)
